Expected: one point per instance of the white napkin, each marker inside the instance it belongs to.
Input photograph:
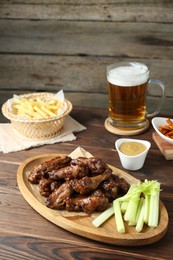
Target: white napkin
(80, 151)
(11, 142)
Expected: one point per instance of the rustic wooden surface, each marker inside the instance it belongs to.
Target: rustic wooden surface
(24, 234)
(165, 147)
(48, 45)
(75, 222)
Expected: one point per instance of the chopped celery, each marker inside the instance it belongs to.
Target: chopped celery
(139, 209)
(154, 208)
(139, 206)
(132, 223)
(140, 221)
(151, 190)
(118, 216)
(103, 217)
(147, 208)
(130, 214)
(124, 206)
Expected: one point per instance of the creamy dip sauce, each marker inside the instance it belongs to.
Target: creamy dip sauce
(132, 148)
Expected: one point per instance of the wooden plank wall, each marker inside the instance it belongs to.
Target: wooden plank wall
(48, 45)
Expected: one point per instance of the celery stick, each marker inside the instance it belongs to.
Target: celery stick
(154, 209)
(132, 223)
(118, 216)
(156, 216)
(103, 217)
(139, 209)
(130, 214)
(140, 222)
(151, 191)
(132, 191)
(124, 206)
(147, 208)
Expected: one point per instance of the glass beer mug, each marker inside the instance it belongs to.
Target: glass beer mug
(127, 85)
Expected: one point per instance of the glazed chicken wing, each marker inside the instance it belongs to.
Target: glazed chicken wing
(95, 164)
(58, 197)
(47, 186)
(40, 171)
(109, 188)
(114, 186)
(88, 204)
(82, 184)
(88, 184)
(76, 170)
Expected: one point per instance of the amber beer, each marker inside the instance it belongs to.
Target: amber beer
(127, 84)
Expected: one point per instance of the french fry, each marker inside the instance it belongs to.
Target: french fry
(36, 108)
(48, 111)
(42, 113)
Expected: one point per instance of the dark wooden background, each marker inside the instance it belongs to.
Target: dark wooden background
(48, 45)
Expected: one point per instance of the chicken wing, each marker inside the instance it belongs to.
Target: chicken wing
(88, 204)
(113, 187)
(47, 186)
(58, 197)
(41, 170)
(88, 184)
(95, 164)
(76, 170)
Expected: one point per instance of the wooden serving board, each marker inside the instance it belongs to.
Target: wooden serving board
(81, 223)
(165, 147)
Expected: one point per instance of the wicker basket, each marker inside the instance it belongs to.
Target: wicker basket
(37, 129)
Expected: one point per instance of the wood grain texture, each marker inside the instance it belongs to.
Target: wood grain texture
(165, 148)
(74, 222)
(25, 234)
(133, 11)
(68, 45)
(54, 37)
(39, 248)
(72, 74)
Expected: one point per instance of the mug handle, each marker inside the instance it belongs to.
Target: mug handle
(162, 86)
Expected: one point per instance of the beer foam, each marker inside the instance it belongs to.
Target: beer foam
(132, 75)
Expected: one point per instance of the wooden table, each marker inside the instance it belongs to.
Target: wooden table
(24, 234)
